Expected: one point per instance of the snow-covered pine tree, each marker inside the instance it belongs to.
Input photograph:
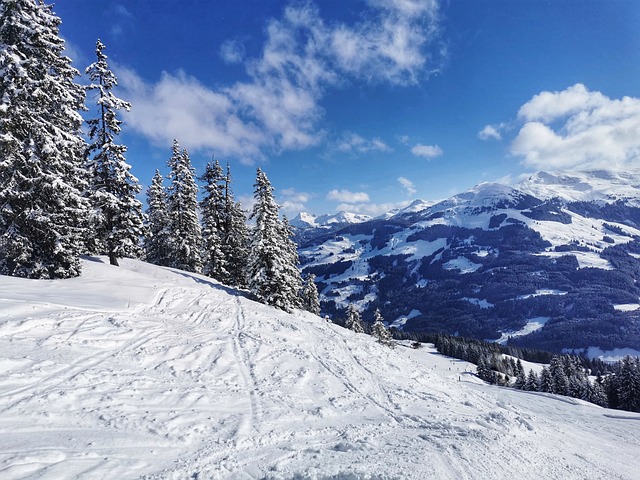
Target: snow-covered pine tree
(354, 320)
(213, 212)
(235, 237)
(273, 277)
(521, 379)
(378, 330)
(42, 210)
(293, 277)
(310, 299)
(157, 242)
(628, 384)
(185, 234)
(116, 224)
(531, 384)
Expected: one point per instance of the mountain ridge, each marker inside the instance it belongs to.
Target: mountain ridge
(499, 245)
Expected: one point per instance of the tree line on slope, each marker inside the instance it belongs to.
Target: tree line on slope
(615, 385)
(62, 196)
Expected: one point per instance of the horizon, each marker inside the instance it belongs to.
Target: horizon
(365, 106)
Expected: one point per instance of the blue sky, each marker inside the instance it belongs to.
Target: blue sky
(365, 105)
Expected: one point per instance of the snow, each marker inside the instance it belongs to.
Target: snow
(594, 185)
(585, 259)
(531, 326)
(540, 292)
(627, 307)
(463, 264)
(400, 321)
(481, 302)
(612, 356)
(142, 371)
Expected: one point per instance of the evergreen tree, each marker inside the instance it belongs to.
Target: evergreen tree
(42, 210)
(560, 381)
(185, 233)
(521, 379)
(531, 384)
(485, 372)
(354, 320)
(157, 241)
(310, 299)
(628, 384)
(546, 381)
(117, 221)
(235, 237)
(382, 334)
(274, 278)
(213, 210)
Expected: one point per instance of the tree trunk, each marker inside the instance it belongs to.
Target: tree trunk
(113, 260)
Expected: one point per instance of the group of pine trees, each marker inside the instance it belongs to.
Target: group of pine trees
(382, 334)
(62, 196)
(614, 385)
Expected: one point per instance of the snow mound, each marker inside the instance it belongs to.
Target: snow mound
(142, 371)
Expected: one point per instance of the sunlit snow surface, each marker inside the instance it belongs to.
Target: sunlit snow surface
(141, 371)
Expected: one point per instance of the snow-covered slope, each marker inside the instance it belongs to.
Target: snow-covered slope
(587, 186)
(308, 220)
(141, 371)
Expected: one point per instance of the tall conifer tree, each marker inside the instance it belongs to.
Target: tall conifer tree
(182, 204)
(213, 212)
(42, 210)
(235, 237)
(157, 242)
(273, 277)
(117, 221)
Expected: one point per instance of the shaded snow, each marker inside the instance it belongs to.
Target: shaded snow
(481, 302)
(141, 371)
(540, 292)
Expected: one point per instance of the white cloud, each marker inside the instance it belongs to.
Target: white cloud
(347, 197)
(232, 51)
(278, 108)
(352, 142)
(427, 151)
(293, 202)
(489, 132)
(408, 185)
(373, 209)
(577, 128)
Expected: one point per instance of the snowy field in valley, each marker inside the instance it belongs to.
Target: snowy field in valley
(147, 372)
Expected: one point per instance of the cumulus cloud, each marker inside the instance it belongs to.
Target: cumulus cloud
(292, 201)
(427, 151)
(489, 132)
(278, 107)
(232, 51)
(373, 209)
(352, 142)
(346, 196)
(578, 128)
(408, 185)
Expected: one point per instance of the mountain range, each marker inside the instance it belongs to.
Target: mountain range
(551, 262)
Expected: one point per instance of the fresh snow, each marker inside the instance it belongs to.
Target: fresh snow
(143, 371)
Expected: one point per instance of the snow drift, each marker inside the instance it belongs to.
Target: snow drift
(142, 371)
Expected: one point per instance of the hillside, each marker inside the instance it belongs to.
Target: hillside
(142, 371)
(552, 263)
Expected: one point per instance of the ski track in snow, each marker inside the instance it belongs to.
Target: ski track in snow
(191, 380)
